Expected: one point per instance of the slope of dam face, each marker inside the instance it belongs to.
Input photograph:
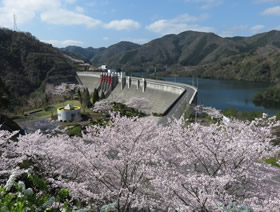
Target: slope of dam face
(159, 100)
(90, 82)
(159, 95)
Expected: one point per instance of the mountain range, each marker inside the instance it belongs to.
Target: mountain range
(28, 65)
(194, 53)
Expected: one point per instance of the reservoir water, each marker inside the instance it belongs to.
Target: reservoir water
(223, 94)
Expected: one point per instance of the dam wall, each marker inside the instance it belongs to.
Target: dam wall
(161, 95)
(90, 80)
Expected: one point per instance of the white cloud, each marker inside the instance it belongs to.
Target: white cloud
(51, 12)
(24, 10)
(66, 17)
(79, 9)
(206, 4)
(64, 43)
(256, 28)
(241, 29)
(125, 24)
(70, 1)
(275, 11)
(178, 24)
(106, 38)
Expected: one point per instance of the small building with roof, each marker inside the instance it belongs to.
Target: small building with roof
(69, 113)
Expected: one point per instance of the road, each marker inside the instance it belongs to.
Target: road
(178, 109)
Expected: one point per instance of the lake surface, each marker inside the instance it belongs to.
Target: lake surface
(223, 94)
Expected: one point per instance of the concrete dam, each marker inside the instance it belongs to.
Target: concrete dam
(166, 98)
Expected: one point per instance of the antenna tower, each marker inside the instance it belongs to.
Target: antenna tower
(15, 23)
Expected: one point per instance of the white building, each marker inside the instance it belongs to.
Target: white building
(69, 113)
(104, 67)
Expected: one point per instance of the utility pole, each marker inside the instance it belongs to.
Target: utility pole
(15, 23)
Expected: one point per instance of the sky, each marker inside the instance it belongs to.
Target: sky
(101, 23)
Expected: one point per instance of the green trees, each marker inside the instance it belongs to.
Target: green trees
(95, 96)
(4, 95)
(32, 194)
(79, 96)
(102, 95)
(27, 65)
(87, 98)
(84, 98)
(268, 97)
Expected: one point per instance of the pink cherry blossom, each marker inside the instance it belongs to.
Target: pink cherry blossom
(139, 103)
(136, 163)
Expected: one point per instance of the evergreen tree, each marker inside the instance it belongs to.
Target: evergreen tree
(102, 95)
(95, 96)
(4, 95)
(87, 98)
(80, 96)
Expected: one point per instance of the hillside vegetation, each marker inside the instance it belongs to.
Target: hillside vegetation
(84, 53)
(254, 58)
(26, 64)
(268, 97)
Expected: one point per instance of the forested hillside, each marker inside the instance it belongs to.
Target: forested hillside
(26, 64)
(84, 53)
(202, 54)
(253, 66)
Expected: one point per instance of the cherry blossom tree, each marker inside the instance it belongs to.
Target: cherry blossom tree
(98, 167)
(139, 103)
(212, 112)
(206, 166)
(65, 88)
(45, 125)
(103, 105)
(8, 162)
(134, 163)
